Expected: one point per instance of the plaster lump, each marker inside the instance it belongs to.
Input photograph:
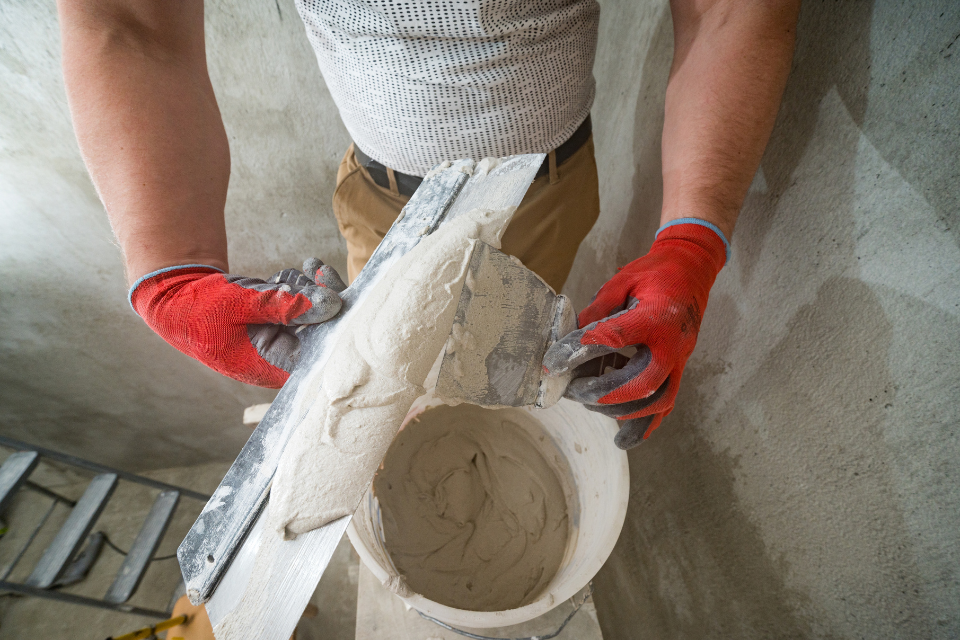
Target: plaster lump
(358, 399)
(474, 515)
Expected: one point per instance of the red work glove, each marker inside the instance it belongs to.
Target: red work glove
(241, 327)
(655, 304)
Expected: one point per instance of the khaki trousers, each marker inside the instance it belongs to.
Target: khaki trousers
(556, 214)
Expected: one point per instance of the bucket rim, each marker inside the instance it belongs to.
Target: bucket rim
(618, 483)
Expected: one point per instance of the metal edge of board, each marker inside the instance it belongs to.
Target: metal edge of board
(209, 546)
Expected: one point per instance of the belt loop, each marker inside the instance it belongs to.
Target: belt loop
(552, 162)
(392, 177)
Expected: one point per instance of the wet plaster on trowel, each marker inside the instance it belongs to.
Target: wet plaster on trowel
(362, 394)
(474, 515)
(374, 374)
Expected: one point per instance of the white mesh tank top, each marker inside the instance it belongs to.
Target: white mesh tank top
(422, 81)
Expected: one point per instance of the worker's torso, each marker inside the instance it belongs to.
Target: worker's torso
(421, 81)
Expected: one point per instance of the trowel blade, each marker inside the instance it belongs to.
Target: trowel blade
(506, 319)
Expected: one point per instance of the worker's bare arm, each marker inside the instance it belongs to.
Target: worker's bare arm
(149, 127)
(730, 66)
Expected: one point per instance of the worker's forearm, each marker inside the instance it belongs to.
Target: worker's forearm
(149, 127)
(731, 61)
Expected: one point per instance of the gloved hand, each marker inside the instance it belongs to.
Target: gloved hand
(655, 304)
(241, 327)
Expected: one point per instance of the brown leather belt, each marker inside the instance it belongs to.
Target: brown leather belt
(407, 184)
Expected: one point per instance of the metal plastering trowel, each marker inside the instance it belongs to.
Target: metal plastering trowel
(506, 319)
(217, 555)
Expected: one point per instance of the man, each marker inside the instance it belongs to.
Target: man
(417, 83)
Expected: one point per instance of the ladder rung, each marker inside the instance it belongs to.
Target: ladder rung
(138, 559)
(74, 531)
(14, 473)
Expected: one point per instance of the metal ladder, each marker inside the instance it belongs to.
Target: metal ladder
(60, 562)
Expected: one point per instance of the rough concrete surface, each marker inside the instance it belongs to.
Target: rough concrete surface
(807, 483)
(79, 371)
(806, 486)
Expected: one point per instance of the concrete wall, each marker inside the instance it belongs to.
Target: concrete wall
(807, 483)
(79, 371)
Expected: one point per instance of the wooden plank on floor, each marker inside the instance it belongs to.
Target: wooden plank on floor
(383, 616)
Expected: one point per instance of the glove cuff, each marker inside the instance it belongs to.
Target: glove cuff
(702, 223)
(153, 274)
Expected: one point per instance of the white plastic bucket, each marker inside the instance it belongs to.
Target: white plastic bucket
(600, 486)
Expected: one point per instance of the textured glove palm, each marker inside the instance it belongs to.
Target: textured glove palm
(655, 304)
(241, 327)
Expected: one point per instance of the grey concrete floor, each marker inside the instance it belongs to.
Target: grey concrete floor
(25, 617)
